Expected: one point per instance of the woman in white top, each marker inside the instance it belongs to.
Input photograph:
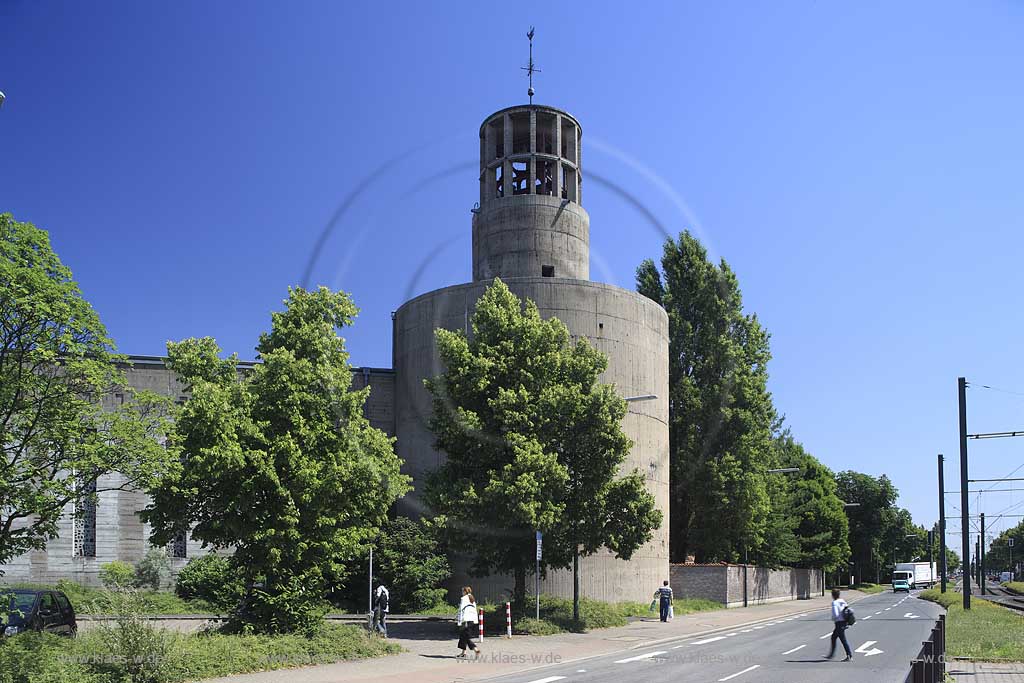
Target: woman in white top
(467, 620)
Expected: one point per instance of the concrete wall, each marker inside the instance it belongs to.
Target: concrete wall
(516, 236)
(724, 583)
(120, 534)
(631, 330)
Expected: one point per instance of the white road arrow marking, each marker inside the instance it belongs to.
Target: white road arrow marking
(639, 657)
(863, 649)
(911, 615)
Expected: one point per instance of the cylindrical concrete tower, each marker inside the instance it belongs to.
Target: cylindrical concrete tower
(530, 222)
(532, 232)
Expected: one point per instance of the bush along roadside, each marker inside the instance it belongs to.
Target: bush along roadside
(986, 631)
(157, 656)
(1015, 587)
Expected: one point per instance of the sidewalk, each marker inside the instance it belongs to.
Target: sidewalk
(430, 656)
(986, 672)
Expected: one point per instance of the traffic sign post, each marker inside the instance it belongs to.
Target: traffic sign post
(536, 590)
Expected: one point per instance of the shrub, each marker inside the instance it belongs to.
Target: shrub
(130, 644)
(42, 658)
(116, 575)
(210, 578)
(154, 570)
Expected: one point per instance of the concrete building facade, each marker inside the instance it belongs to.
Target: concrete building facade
(532, 231)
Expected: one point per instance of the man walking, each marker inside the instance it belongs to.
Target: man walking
(664, 596)
(839, 607)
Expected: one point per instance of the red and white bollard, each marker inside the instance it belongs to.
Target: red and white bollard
(481, 624)
(508, 619)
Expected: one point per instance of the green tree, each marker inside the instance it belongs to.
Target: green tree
(999, 556)
(821, 526)
(56, 364)
(720, 411)
(279, 463)
(409, 558)
(870, 521)
(534, 442)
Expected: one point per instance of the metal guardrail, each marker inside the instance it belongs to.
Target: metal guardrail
(929, 666)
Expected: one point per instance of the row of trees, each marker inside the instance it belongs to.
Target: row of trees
(725, 437)
(725, 434)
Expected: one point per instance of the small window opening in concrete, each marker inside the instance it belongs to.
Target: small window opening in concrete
(520, 177)
(547, 271)
(569, 190)
(499, 184)
(545, 182)
(521, 133)
(546, 133)
(569, 141)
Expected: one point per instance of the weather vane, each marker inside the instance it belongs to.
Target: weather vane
(530, 68)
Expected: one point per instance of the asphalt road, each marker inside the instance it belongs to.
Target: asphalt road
(888, 634)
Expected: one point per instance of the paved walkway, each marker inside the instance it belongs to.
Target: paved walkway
(986, 672)
(430, 656)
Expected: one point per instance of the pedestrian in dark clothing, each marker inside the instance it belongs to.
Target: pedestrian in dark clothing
(381, 607)
(839, 607)
(664, 597)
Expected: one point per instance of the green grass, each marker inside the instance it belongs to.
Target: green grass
(986, 631)
(556, 614)
(45, 658)
(89, 600)
(1014, 587)
(871, 587)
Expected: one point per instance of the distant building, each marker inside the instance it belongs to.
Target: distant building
(531, 231)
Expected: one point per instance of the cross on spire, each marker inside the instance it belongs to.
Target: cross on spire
(530, 69)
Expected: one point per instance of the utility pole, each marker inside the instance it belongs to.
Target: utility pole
(977, 564)
(965, 523)
(942, 525)
(981, 563)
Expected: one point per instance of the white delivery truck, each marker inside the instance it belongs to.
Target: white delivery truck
(920, 574)
(1005, 576)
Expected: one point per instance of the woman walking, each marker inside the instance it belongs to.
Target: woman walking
(467, 620)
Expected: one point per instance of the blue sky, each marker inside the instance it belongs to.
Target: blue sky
(858, 166)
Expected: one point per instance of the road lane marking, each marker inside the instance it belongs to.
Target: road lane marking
(636, 659)
(911, 615)
(549, 679)
(825, 636)
(581, 671)
(868, 617)
(678, 646)
(739, 673)
(758, 627)
(863, 649)
(746, 630)
(707, 640)
(789, 652)
(731, 634)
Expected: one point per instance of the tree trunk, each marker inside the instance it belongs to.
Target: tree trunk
(519, 591)
(576, 585)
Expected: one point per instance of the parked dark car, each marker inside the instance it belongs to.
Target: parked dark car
(38, 610)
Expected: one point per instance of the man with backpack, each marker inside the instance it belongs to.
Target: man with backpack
(842, 616)
(381, 600)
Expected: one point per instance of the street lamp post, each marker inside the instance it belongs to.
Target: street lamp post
(851, 564)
